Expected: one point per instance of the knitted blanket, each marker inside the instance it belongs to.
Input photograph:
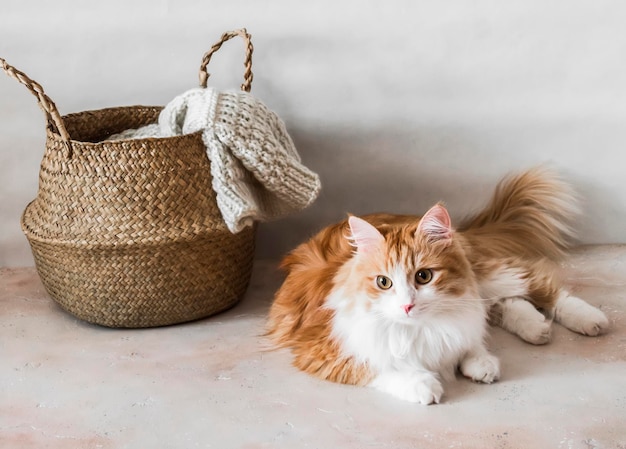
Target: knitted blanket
(257, 172)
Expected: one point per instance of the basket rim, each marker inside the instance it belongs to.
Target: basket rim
(53, 134)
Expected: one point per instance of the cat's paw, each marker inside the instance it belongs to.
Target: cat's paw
(523, 319)
(536, 332)
(596, 325)
(424, 390)
(484, 368)
(413, 386)
(579, 316)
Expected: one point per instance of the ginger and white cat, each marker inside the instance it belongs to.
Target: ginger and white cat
(399, 302)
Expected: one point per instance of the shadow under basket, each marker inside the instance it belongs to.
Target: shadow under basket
(128, 233)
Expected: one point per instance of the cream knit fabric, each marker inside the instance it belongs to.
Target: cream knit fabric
(257, 172)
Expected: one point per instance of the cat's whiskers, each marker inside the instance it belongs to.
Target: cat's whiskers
(451, 305)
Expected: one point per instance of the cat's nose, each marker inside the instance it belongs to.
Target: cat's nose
(407, 308)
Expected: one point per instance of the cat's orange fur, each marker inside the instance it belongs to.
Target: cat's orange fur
(525, 226)
(523, 230)
(298, 318)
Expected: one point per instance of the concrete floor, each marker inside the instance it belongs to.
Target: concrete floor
(211, 384)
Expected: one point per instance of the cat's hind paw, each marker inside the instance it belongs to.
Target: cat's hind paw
(536, 332)
(520, 317)
(579, 316)
(484, 368)
(596, 325)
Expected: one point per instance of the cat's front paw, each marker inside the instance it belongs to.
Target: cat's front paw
(483, 368)
(424, 390)
(413, 386)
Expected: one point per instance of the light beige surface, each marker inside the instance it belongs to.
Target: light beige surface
(210, 384)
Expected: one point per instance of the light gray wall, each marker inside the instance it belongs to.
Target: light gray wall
(397, 104)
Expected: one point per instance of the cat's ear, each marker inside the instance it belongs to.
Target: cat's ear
(366, 237)
(436, 224)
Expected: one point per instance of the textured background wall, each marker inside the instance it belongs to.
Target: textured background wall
(396, 104)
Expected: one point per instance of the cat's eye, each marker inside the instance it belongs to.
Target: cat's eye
(424, 276)
(383, 282)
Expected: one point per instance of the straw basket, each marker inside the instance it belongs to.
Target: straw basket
(128, 233)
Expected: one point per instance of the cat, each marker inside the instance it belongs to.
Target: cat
(400, 303)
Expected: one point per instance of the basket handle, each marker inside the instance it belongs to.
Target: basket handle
(247, 76)
(45, 103)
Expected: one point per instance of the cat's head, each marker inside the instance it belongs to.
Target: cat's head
(410, 269)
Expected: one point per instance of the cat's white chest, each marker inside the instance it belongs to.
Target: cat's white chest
(434, 343)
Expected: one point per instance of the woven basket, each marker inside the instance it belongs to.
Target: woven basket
(128, 233)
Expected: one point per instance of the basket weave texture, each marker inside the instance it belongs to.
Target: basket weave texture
(128, 233)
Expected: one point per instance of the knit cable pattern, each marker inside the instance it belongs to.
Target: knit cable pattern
(257, 173)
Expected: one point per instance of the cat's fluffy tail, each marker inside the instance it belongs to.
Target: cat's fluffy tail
(530, 213)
